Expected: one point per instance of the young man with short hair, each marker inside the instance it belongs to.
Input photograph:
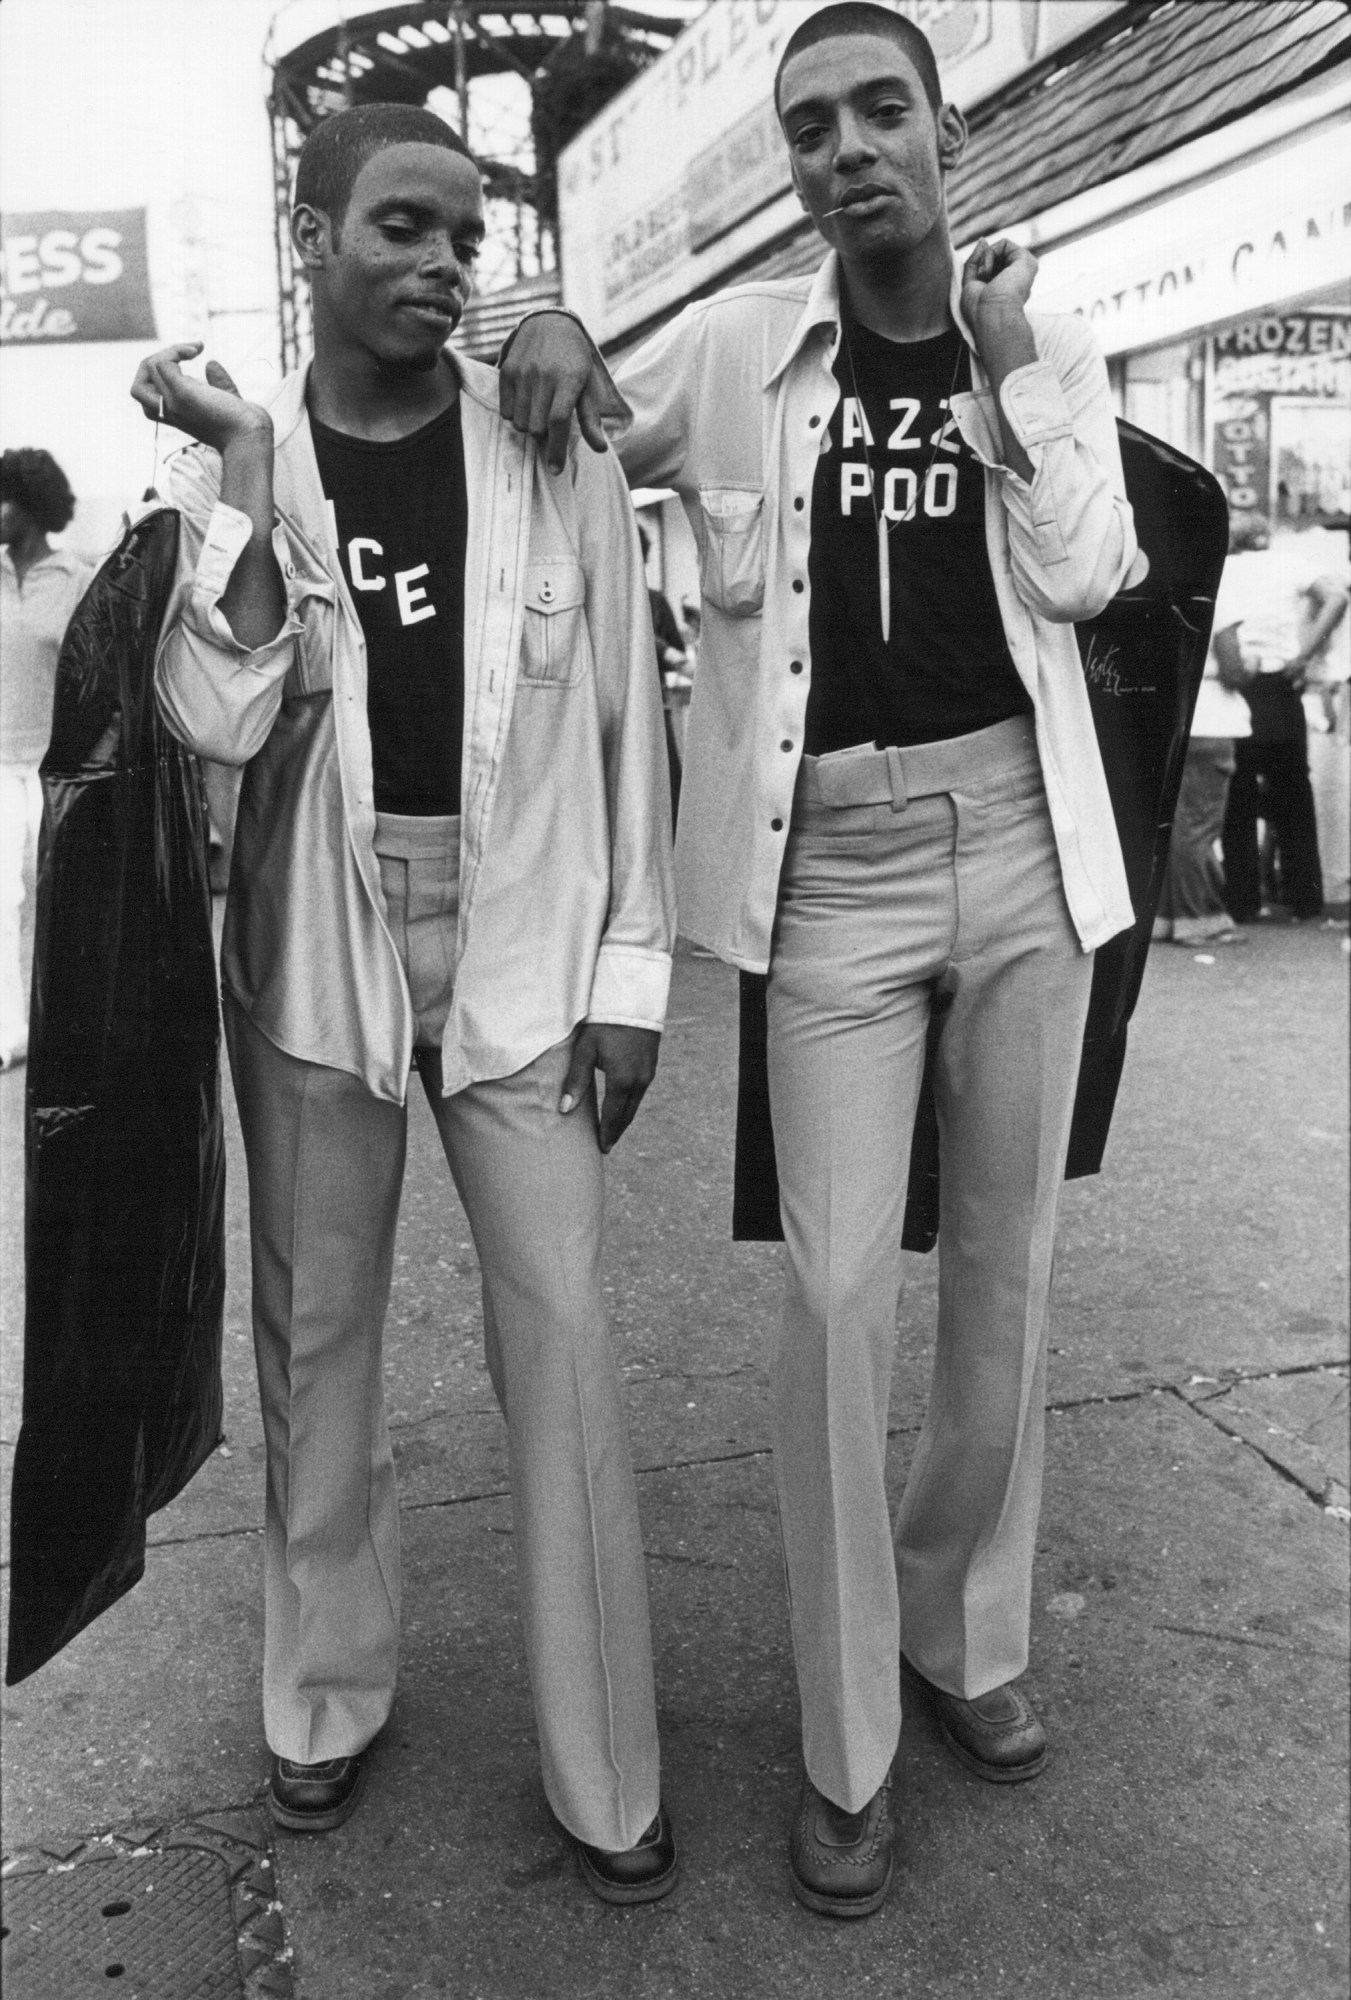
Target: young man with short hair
(434, 661)
(904, 489)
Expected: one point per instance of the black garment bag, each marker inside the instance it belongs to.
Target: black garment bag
(1143, 658)
(124, 1147)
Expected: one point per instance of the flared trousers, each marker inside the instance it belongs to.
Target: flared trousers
(914, 880)
(325, 1162)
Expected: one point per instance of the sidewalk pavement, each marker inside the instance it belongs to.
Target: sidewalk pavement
(1189, 1639)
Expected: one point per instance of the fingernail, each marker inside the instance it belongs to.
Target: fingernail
(565, 1104)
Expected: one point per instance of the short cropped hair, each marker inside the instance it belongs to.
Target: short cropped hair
(340, 145)
(865, 17)
(33, 480)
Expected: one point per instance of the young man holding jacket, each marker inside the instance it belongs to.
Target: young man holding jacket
(905, 488)
(434, 661)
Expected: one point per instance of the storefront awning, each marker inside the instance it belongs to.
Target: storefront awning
(1175, 72)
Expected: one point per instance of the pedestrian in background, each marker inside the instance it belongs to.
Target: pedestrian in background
(1192, 908)
(1327, 705)
(39, 589)
(1275, 612)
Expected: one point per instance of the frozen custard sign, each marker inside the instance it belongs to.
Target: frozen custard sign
(74, 276)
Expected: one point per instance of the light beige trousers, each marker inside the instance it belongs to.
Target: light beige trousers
(946, 894)
(325, 1162)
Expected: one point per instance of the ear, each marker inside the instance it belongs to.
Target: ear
(311, 234)
(951, 136)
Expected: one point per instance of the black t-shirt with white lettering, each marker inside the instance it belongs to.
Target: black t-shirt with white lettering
(945, 669)
(400, 517)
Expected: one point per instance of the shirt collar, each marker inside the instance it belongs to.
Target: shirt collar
(288, 405)
(823, 310)
(61, 559)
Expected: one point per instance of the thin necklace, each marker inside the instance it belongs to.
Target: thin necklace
(880, 521)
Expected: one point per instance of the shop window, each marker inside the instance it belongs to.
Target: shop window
(1280, 413)
(1161, 392)
(1311, 458)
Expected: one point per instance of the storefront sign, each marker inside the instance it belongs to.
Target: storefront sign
(1247, 239)
(1296, 354)
(1242, 451)
(1275, 378)
(74, 276)
(685, 172)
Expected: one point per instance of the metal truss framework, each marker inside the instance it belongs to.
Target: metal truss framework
(400, 54)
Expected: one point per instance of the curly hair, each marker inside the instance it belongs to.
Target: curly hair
(33, 480)
(340, 145)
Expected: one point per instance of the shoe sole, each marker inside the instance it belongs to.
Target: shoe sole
(839, 1906)
(628, 1892)
(316, 1822)
(994, 1774)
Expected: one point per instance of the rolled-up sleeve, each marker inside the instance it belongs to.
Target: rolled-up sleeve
(1071, 532)
(630, 986)
(220, 698)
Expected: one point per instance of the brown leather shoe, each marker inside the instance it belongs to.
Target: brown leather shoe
(641, 1874)
(840, 1863)
(999, 1735)
(314, 1798)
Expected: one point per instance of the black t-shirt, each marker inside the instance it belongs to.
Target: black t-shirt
(945, 669)
(400, 517)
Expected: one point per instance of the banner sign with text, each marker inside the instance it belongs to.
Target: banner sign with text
(68, 276)
(1248, 238)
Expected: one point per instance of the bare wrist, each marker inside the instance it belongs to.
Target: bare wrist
(254, 431)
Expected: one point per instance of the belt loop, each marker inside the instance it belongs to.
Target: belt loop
(900, 797)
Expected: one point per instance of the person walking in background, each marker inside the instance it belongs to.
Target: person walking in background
(1327, 705)
(1192, 907)
(39, 589)
(907, 487)
(1275, 612)
(434, 661)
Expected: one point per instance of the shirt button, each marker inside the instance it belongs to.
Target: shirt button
(795, 666)
(799, 504)
(546, 593)
(776, 825)
(785, 745)
(798, 584)
(813, 422)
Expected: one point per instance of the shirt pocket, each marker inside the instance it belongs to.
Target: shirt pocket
(732, 558)
(554, 646)
(314, 600)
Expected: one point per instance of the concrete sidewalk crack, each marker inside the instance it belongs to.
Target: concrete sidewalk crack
(201, 1535)
(1247, 1639)
(694, 1562)
(1202, 1410)
(1224, 1385)
(1196, 1405)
